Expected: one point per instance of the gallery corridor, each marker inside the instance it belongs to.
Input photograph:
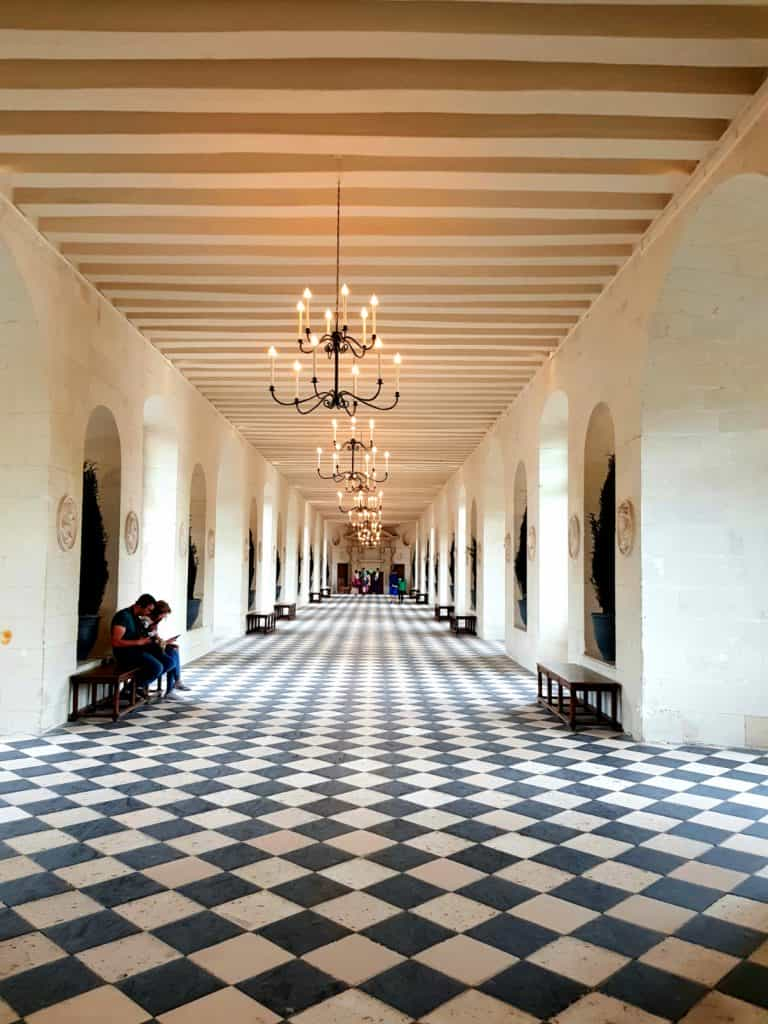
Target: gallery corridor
(363, 818)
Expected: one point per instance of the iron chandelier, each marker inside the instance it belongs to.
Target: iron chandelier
(356, 478)
(336, 342)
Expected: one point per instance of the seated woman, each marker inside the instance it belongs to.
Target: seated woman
(169, 647)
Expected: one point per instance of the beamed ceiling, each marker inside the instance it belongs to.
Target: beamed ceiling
(499, 161)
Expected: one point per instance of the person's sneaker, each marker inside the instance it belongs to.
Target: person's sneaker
(171, 696)
(180, 686)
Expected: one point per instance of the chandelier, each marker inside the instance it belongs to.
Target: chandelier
(369, 504)
(356, 478)
(336, 342)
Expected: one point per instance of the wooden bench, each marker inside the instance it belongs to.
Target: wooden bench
(285, 611)
(260, 622)
(573, 706)
(115, 704)
(422, 598)
(315, 597)
(464, 624)
(444, 611)
(325, 591)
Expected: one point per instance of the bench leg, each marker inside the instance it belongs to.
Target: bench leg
(572, 708)
(115, 700)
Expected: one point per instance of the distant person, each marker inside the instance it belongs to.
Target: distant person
(169, 647)
(131, 645)
(401, 590)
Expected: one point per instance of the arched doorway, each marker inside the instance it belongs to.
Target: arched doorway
(705, 479)
(196, 550)
(100, 533)
(520, 547)
(553, 528)
(599, 536)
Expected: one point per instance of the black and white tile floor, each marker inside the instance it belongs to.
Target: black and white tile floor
(364, 819)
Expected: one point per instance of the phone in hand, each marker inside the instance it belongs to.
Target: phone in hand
(172, 639)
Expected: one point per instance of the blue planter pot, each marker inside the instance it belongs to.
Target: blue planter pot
(522, 604)
(193, 610)
(604, 628)
(87, 632)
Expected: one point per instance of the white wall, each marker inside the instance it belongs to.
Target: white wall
(63, 352)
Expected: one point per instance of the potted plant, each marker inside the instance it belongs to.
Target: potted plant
(521, 569)
(278, 586)
(603, 528)
(94, 571)
(251, 569)
(193, 603)
(473, 574)
(452, 568)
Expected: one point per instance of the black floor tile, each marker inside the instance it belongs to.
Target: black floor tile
(309, 890)
(749, 982)
(682, 894)
(654, 991)
(149, 856)
(590, 894)
(413, 988)
(124, 889)
(513, 935)
(620, 936)
(484, 858)
(92, 930)
(171, 985)
(407, 934)
(497, 893)
(229, 858)
(291, 988)
(43, 986)
(33, 887)
(404, 891)
(11, 925)
(318, 856)
(65, 856)
(218, 889)
(534, 990)
(736, 940)
(401, 857)
(197, 932)
(301, 933)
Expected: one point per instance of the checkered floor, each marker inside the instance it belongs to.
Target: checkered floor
(364, 819)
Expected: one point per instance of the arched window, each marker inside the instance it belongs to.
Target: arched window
(196, 553)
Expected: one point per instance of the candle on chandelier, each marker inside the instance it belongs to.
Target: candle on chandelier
(377, 347)
(307, 300)
(333, 424)
(319, 455)
(364, 317)
(367, 464)
(371, 425)
(398, 361)
(300, 311)
(374, 304)
(328, 317)
(297, 371)
(344, 297)
(355, 375)
(386, 463)
(373, 460)
(272, 353)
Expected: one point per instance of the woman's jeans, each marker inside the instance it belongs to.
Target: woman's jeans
(174, 670)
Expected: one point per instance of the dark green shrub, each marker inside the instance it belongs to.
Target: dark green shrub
(603, 528)
(94, 571)
(521, 557)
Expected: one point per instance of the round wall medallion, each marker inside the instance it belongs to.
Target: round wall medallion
(67, 521)
(131, 533)
(211, 543)
(532, 543)
(508, 548)
(183, 540)
(574, 536)
(625, 526)
(336, 540)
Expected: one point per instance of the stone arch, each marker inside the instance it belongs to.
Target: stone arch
(553, 528)
(102, 453)
(518, 544)
(196, 549)
(599, 602)
(704, 473)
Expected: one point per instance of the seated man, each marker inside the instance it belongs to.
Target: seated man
(130, 641)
